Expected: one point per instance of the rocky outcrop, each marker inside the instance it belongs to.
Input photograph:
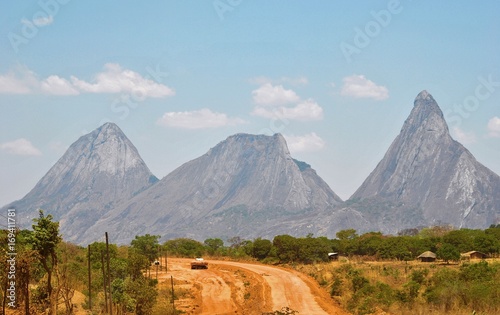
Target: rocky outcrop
(243, 186)
(250, 186)
(96, 173)
(427, 178)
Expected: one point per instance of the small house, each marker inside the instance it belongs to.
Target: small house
(333, 256)
(427, 256)
(473, 255)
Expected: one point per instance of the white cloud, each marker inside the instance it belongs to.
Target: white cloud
(307, 143)
(197, 119)
(43, 20)
(494, 127)
(20, 147)
(358, 86)
(58, 86)
(18, 81)
(40, 20)
(267, 94)
(304, 111)
(277, 102)
(464, 137)
(115, 79)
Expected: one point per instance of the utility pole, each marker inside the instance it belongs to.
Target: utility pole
(173, 303)
(90, 280)
(109, 276)
(104, 282)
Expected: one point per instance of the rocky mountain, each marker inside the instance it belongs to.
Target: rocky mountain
(247, 185)
(250, 186)
(96, 173)
(427, 178)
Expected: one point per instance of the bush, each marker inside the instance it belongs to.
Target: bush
(336, 289)
(418, 276)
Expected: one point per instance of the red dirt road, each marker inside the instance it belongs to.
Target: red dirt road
(244, 288)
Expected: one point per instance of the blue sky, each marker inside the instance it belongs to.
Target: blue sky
(337, 78)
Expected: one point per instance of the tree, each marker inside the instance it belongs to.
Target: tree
(213, 244)
(136, 263)
(462, 239)
(184, 247)
(369, 243)
(45, 239)
(235, 241)
(287, 248)
(313, 249)
(261, 248)
(143, 293)
(486, 243)
(348, 234)
(239, 247)
(395, 248)
(435, 231)
(448, 252)
(147, 245)
(347, 240)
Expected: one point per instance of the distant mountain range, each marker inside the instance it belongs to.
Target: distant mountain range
(250, 186)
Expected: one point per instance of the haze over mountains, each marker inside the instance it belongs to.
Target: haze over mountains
(250, 186)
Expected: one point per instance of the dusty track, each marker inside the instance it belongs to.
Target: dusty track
(244, 288)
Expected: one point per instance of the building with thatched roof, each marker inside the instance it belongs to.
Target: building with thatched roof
(473, 255)
(427, 256)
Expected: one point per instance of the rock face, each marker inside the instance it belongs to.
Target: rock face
(97, 172)
(244, 186)
(427, 178)
(250, 186)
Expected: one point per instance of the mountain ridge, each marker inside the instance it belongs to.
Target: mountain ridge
(250, 186)
(424, 169)
(95, 173)
(241, 177)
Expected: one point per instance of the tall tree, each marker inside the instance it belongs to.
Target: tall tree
(147, 245)
(213, 244)
(448, 252)
(45, 239)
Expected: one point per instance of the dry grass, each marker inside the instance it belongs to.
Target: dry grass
(393, 273)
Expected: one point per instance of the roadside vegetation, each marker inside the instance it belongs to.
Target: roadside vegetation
(371, 273)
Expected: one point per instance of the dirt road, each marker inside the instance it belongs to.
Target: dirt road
(244, 288)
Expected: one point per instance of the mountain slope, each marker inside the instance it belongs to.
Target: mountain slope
(427, 178)
(98, 171)
(240, 187)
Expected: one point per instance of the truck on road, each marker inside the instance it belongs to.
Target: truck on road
(199, 263)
